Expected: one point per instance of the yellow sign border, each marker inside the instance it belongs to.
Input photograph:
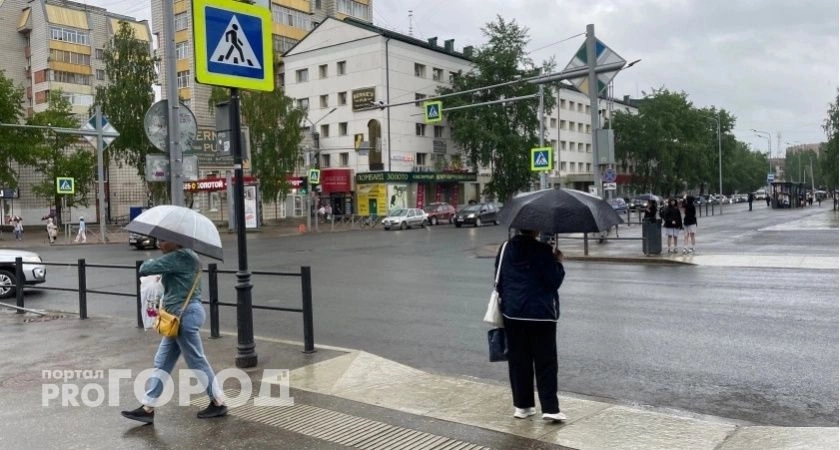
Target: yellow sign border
(58, 181)
(534, 152)
(426, 111)
(314, 176)
(201, 53)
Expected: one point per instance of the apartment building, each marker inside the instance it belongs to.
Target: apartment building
(58, 45)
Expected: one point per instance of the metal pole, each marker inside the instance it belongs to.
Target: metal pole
(593, 104)
(543, 174)
(137, 265)
(213, 284)
(175, 178)
(308, 327)
(82, 289)
(100, 172)
(19, 282)
(720, 164)
(246, 356)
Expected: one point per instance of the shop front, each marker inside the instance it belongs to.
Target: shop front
(379, 192)
(337, 190)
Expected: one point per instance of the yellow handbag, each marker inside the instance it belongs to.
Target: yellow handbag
(168, 324)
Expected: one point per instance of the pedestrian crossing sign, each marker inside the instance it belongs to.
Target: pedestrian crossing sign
(433, 111)
(541, 159)
(65, 185)
(233, 45)
(314, 176)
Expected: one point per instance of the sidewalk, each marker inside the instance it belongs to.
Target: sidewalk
(342, 399)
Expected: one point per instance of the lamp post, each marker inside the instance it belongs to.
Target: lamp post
(720, 159)
(316, 141)
(769, 146)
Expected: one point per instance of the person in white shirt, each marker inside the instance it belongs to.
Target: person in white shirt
(81, 236)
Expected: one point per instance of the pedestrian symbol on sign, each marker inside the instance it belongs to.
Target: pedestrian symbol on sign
(65, 185)
(433, 111)
(541, 159)
(235, 49)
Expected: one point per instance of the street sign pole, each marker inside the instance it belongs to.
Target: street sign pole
(100, 144)
(176, 184)
(544, 174)
(593, 104)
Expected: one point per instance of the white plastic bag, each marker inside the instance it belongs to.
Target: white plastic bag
(493, 315)
(151, 294)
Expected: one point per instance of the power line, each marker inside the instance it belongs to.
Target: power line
(555, 43)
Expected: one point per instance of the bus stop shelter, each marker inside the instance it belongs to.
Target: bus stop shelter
(786, 194)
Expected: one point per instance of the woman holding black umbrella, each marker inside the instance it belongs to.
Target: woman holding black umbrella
(529, 277)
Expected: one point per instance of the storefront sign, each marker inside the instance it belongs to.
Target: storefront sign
(414, 177)
(212, 184)
(363, 98)
(336, 180)
(206, 148)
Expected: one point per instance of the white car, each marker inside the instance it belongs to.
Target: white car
(404, 218)
(33, 271)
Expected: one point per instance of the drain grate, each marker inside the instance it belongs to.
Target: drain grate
(343, 429)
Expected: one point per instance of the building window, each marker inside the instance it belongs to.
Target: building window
(325, 159)
(419, 97)
(554, 144)
(553, 123)
(181, 21)
(342, 98)
(562, 145)
(342, 128)
(341, 67)
(322, 71)
(69, 77)
(438, 131)
(290, 17)
(420, 159)
(100, 74)
(563, 166)
(344, 159)
(452, 76)
(588, 167)
(571, 167)
(183, 79)
(302, 75)
(562, 104)
(325, 130)
(100, 53)
(437, 74)
(580, 127)
(282, 44)
(580, 167)
(580, 107)
(419, 70)
(354, 9)
(325, 101)
(69, 57)
(303, 103)
(69, 35)
(182, 50)
(580, 147)
(78, 99)
(587, 109)
(420, 129)
(588, 129)
(562, 124)
(317, 4)
(588, 148)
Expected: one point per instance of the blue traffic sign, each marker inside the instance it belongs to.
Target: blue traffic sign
(610, 176)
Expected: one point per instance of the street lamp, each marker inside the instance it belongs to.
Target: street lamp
(316, 141)
(720, 159)
(769, 148)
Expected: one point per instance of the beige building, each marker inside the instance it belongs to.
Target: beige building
(58, 45)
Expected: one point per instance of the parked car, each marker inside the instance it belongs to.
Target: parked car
(33, 271)
(640, 201)
(477, 214)
(140, 241)
(619, 205)
(404, 218)
(439, 212)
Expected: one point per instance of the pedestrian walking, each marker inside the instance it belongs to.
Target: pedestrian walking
(750, 198)
(528, 281)
(52, 230)
(673, 224)
(689, 225)
(180, 271)
(17, 223)
(81, 236)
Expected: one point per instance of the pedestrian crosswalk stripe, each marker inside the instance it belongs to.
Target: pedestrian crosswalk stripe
(234, 49)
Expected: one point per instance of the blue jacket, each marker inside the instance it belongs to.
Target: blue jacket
(529, 280)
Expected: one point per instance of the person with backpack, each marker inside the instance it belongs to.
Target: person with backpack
(673, 224)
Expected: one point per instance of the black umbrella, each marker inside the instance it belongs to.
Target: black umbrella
(559, 211)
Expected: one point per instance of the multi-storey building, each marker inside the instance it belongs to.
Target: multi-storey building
(59, 45)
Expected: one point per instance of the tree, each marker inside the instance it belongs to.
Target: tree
(828, 165)
(14, 142)
(498, 135)
(61, 154)
(274, 126)
(130, 70)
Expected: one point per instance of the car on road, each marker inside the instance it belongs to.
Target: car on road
(140, 241)
(404, 218)
(639, 202)
(477, 214)
(619, 205)
(439, 212)
(33, 271)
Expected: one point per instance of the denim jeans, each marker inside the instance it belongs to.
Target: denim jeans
(187, 342)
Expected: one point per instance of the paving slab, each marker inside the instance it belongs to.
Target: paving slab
(783, 438)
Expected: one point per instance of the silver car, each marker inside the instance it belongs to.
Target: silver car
(404, 218)
(33, 271)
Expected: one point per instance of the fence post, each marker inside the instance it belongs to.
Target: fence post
(19, 284)
(82, 290)
(306, 289)
(585, 244)
(137, 289)
(213, 284)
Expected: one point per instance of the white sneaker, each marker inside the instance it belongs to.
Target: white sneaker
(557, 417)
(523, 413)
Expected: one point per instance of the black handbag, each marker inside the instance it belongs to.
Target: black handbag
(497, 342)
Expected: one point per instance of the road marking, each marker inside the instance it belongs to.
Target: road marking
(774, 261)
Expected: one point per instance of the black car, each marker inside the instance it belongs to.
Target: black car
(477, 214)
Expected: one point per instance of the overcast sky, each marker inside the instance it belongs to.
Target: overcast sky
(771, 63)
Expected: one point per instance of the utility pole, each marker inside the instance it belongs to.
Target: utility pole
(593, 105)
(543, 174)
(176, 179)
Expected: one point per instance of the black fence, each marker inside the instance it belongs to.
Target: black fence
(212, 271)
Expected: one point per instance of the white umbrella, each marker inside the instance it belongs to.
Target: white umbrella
(180, 225)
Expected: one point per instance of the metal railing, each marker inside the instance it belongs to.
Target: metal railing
(212, 271)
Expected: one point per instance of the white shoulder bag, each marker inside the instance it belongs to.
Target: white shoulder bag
(493, 316)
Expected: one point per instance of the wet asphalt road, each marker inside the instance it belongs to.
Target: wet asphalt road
(754, 344)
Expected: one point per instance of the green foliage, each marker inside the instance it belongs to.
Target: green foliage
(274, 126)
(15, 146)
(828, 159)
(498, 135)
(61, 154)
(130, 71)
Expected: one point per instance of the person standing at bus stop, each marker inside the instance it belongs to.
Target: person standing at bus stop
(672, 223)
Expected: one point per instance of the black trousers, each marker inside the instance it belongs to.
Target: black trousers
(532, 350)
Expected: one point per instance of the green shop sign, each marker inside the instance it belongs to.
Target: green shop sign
(414, 177)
